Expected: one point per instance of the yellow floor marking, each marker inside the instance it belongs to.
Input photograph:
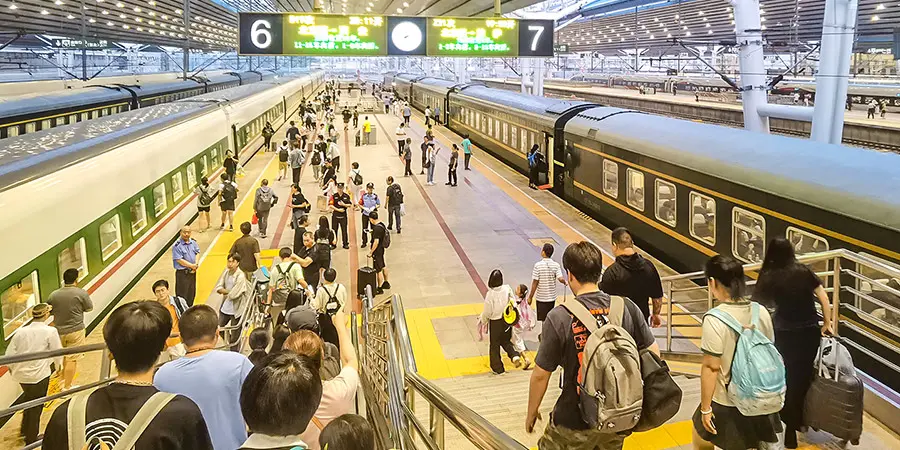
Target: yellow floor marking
(214, 264)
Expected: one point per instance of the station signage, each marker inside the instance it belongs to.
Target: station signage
(90, 44)
(303, 34)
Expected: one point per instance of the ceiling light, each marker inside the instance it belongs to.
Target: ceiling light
(879, 7)
(651, 37)
(656, 19)
(399, 10)
(875, 18)
(126, 27)
(70, 17)
(92, 20)
(123, 16)
(13, 6)
(109, 24)
(688, 33)
(677, 16)
(709, 32)
(151, 13)
(120, 5)
(104, 12)
(44, 12)
(137, 9)
(707, 25)
(152, 3)
(669, 35)
(405, 5)
(58, 3)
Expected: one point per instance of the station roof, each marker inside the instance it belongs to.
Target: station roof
(608, 26)
(212, 25)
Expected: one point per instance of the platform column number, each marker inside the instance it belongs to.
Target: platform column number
(536, 37)
(261, 34)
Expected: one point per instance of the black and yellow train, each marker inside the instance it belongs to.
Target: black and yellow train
(26, 114)
(690, 190)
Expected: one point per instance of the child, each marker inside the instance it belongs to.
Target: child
(259, 341)
(525, 324)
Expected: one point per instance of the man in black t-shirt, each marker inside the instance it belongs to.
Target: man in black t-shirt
(394, 197)
(312, 259)
(346, 116)
(376, 252)
(292, 133)
(634, 277)
(562, 341)
(340, 202)
(135, 334)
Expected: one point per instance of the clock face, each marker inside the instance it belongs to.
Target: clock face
(406, 36)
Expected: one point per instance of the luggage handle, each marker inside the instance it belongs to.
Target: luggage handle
(823, 371)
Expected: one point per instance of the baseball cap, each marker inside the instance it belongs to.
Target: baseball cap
(40, 310)
(302, 317)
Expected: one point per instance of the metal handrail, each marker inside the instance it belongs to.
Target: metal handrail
(47, 354)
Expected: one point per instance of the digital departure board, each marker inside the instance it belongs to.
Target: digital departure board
(304, 34)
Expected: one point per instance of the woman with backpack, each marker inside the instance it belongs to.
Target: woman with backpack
(729, 418)
(205, 196)
(267, 133)
(229, 191)
(792, 289)
(499, 310)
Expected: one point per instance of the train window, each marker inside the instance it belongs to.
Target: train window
(504, 134)
(84, 116)
(214, 156)
(513, 137)
(59, 121)
(477, 120)
(610, 178)
(110, 237)
(524, 142)
(665, 202)
(73, 257)
(159, 199)
(703, 218)
(30, 127)
(12, 131)
(45, 124)
(204, 166)
(635, 187)
(138, 216)
(806, 242)
(191, 175)
(177, 186)
(748, 235)
(73, 118)
(16, 300)
(490, 126)
(496, 129)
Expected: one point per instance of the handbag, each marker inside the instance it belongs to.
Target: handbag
(254, 220)
(402, 209)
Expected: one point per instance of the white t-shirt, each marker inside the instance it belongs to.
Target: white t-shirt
(719, 340)
(322, 296)
(547, 272)
(401, 133)
(338, 395)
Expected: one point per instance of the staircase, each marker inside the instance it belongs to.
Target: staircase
(503, 400)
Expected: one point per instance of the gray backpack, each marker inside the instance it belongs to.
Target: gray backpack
(76, 426)
(264, 199)
(610, 387)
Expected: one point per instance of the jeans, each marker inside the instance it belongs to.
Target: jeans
(400, 144)
(394, 211)
(407, 171)
(295, 174)
(500, 337)
(451, 177)
(431, 173)
(31, 417)
(365, 229)
(340, 222)
(406, 120)
(468, 157)
(263, 217)
(317, 169)
(230, 335)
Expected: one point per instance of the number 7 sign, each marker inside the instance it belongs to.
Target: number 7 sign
(536, 37)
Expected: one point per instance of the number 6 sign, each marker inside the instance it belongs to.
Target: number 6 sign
(261, 34)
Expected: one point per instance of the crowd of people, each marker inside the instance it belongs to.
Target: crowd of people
(179, 387)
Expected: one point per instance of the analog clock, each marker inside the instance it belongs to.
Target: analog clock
(406, 36)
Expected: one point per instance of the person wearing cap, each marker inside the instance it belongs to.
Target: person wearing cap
(305, 318)
(368, 202)
(34, 376)
(340, 202)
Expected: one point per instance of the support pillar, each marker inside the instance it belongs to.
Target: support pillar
(186, 18)
(753, 72)
(838, 32)
(538, 86)
(523, 69)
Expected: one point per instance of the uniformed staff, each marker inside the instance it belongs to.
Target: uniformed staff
(184, 259)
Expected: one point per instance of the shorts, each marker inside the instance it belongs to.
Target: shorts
(561, 438)
(227, 205)
(283, 165)
(543, 308)
(378, 261)
(736, 431)
(72, 339)
(203, 209)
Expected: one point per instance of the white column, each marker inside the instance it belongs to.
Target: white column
(848, 34)
(753, 73)
(539, 68)
(523, 71)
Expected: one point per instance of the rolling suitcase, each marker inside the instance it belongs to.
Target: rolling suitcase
(834, 402)
(366, 276)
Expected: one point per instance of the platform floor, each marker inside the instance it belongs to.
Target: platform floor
(452, 238)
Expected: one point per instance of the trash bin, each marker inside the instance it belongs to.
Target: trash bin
(371, 138)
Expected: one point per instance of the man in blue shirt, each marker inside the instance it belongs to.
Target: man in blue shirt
(467, 150)
(368, 202)
(211, 378)
(184, 259)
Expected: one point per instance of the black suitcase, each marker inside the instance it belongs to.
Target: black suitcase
(834, 403)
(366, 276)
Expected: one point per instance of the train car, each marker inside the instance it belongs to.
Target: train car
(508, 124)
(124, 185)
(432, 92)
(27, 114)
(402, 85)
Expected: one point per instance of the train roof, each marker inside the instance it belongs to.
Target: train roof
(50, 101)
(145, 89)
(523, 102)
(855, 182)
(220, 78)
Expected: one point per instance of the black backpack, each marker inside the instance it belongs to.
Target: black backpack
(229, 192)
(283, 155)
(357, 179)
(398, 194)
(387, 237)
(317, 158)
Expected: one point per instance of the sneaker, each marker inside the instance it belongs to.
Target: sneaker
(385, 285)
(346, 246)
(448, 184)
(517, 362)
(379, 291)
(398, 231)
(262, 236)
(390, 228)
(231, 228)
(222, 227)
(364, 245)
(497, 373)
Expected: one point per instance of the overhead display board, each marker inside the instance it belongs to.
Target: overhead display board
(302, 34)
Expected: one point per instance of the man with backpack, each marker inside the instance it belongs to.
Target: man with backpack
(616, 344)
(381, 239)
(316, 162)
(229, 191)
(394, 202)
(346, 115)
(263, 202)
(330, 299)
(295, 158)
(287, 276)
(292, 133)
(135, 334)
(283, 158)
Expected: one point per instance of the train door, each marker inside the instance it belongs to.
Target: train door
(548, 144)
